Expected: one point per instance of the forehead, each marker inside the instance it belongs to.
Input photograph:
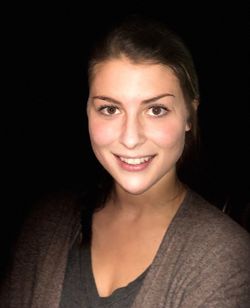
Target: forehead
(124, 75)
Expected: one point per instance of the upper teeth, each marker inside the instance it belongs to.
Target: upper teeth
(135, 161)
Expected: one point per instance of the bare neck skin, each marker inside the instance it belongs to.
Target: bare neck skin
(165, 199)
(128, 231)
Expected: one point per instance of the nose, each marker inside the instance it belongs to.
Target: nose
(133, 132)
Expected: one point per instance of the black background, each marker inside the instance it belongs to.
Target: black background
(45, 140)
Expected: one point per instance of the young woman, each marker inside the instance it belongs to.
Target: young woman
(144, 238)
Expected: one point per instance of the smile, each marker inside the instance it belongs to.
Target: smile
(134, 164)
(135, 161)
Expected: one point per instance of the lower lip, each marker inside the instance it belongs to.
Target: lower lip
(139, 167)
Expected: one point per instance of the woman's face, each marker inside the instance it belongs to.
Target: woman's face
(137, 122)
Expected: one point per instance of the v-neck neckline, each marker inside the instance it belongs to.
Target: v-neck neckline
(116, 295)
(91, 286)
(171, 230)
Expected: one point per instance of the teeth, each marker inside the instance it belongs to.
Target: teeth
(135, 161)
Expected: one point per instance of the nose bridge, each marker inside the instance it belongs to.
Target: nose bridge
(133, 133)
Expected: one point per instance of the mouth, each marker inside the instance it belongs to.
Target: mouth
(134, 163)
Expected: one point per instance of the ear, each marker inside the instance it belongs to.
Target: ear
(188, 126)
(193, 109)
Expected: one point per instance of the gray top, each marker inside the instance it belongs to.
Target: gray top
(203, 260)
(79, 288)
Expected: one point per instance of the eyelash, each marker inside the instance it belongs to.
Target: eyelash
(105, 107)
(102, 108)
(162, 107)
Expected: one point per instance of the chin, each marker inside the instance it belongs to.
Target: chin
(135, 192)
(134, 189)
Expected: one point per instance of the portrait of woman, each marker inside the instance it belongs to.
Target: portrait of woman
(140, 236)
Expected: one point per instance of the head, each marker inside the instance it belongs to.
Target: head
(139, 60)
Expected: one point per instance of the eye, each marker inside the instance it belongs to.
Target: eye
(108, 110)
(158, 111)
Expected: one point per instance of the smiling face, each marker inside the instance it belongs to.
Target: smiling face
(137, 122)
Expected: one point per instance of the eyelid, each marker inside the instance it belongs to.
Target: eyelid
(162, 106)
(103, 107)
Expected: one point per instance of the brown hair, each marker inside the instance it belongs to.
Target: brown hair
(143, 39)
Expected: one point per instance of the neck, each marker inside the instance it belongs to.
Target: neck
(164, 197)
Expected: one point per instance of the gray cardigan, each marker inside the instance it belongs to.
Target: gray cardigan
(203, 260)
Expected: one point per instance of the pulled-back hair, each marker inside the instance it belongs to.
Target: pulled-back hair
(145, 40)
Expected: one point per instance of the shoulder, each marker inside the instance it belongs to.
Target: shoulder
(42, 245)
(54, 213)
(212, 222)
(213, 255)
(211, 234)
(203, 260)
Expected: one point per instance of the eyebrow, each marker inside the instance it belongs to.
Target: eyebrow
(146, 101)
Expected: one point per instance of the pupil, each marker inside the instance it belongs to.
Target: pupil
(111, 109)
(156, 110)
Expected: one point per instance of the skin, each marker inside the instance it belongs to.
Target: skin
(134, 110)
(131, 127)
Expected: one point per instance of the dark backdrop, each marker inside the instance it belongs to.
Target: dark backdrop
(45, 140)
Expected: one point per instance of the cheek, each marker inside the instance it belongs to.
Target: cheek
(169, 135)
(100, 133)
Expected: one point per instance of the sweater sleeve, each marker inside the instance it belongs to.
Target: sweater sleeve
(221, 277)
(39, 257)
(203, 262)
(217, 253)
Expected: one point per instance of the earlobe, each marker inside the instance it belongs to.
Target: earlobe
(188, 126)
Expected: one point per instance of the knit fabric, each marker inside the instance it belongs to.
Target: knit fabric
(203, 260)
